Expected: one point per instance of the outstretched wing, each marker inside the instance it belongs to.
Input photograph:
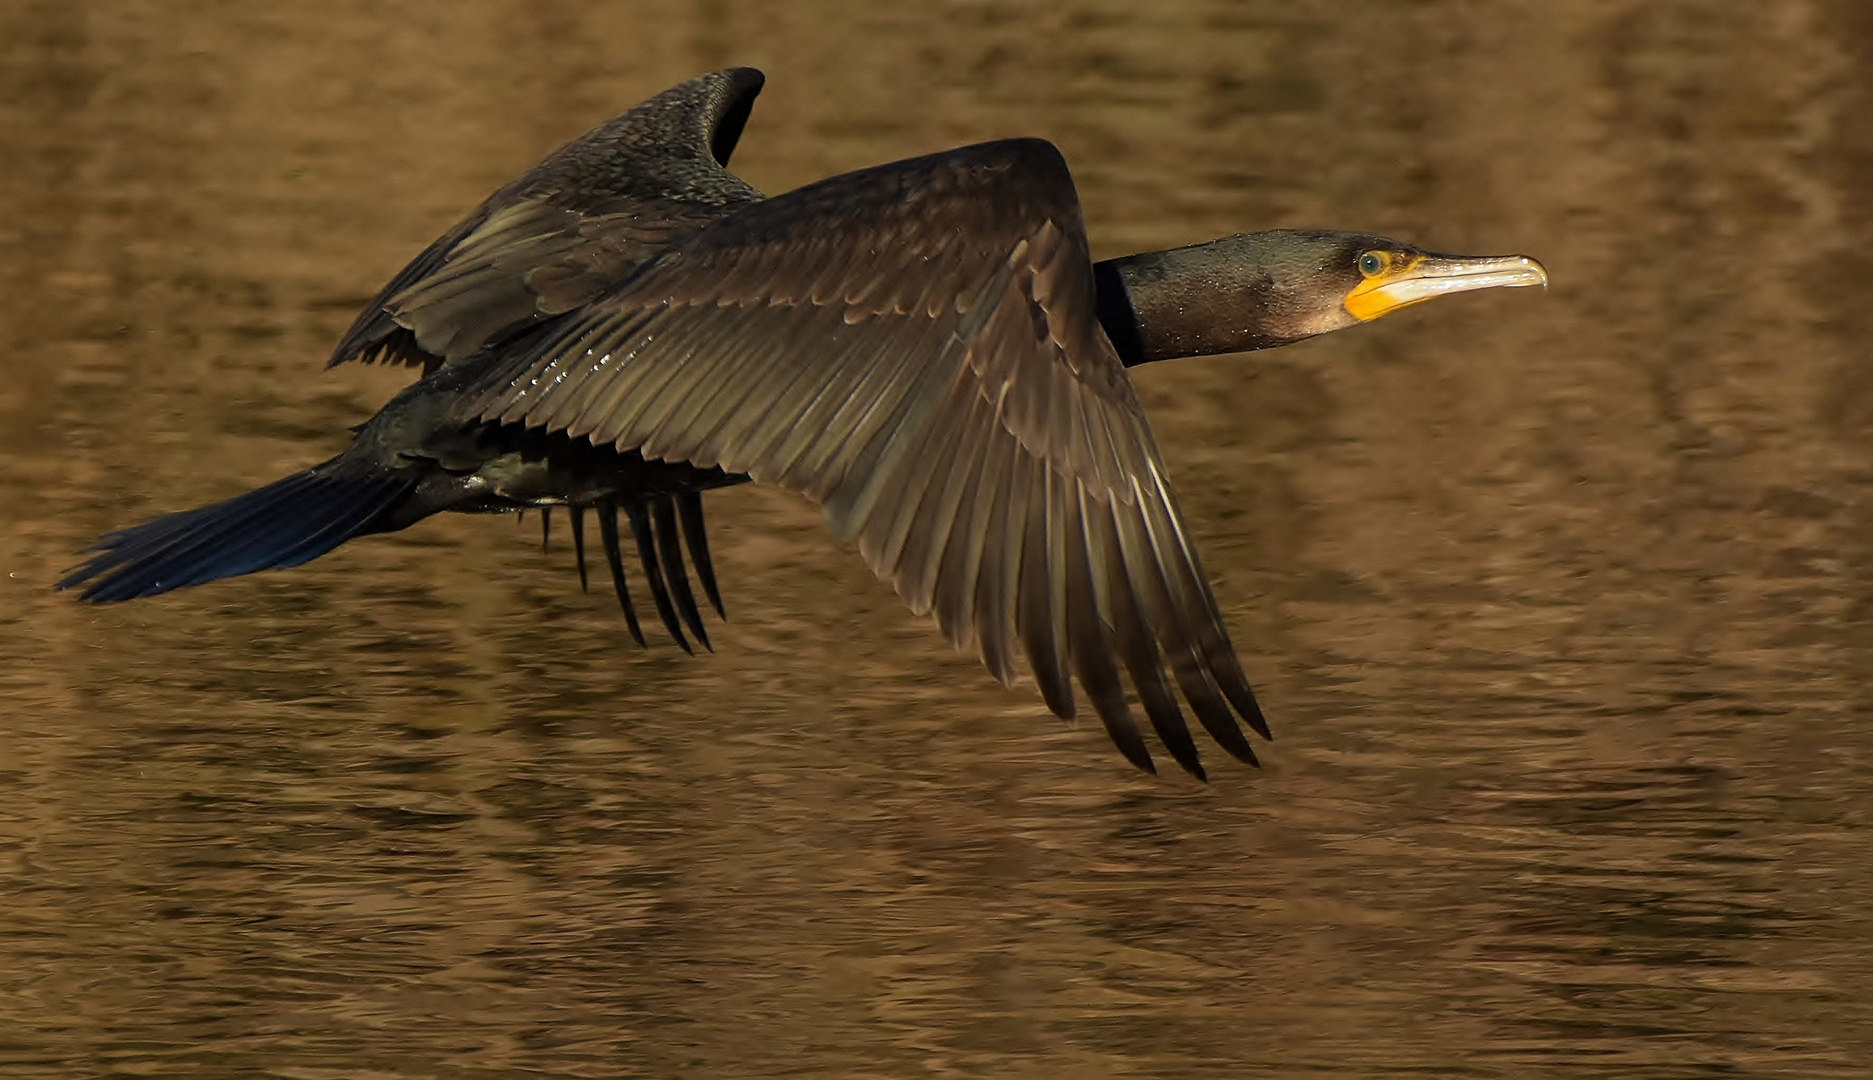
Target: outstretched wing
(569, 228)
(915, 348)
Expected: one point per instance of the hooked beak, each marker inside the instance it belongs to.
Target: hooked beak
(1427, 277)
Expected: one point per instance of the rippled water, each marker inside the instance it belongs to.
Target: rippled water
(1562, 605)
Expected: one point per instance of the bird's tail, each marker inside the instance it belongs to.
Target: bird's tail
(286, 523)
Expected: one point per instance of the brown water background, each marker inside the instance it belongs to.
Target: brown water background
(1562, 605)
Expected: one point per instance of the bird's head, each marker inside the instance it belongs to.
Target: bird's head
(1263, 289)
(1321, 281)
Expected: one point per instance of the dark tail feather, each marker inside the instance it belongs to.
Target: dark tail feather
(608, 533)
(670, 554)
(689, 511)
(577, 514)
(653, 572)
(286, 523)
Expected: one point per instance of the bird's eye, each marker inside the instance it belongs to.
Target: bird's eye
(1371, 263)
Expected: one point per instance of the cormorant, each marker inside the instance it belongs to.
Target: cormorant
(924, 348)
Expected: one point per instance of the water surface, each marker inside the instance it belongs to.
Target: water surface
(1562, 605)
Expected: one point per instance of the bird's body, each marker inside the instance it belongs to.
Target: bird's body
(923, 348)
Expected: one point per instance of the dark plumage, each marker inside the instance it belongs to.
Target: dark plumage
(567, 229)
(923, 348)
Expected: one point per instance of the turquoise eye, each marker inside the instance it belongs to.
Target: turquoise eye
(1371, 263)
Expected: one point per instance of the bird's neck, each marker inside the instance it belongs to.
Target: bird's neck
(1228, 295)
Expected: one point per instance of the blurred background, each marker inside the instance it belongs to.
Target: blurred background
(1561, 605)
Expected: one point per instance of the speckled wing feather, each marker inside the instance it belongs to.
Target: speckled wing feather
(569, 228)
(914, 347)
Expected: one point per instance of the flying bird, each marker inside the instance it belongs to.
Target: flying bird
(925, 349)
